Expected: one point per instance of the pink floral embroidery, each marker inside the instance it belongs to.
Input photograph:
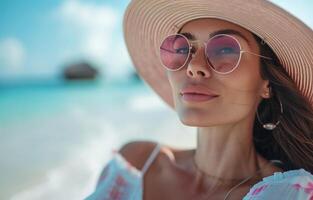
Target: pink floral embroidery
(297, 186)
(258, 190)
(307, 189)
(116, 192)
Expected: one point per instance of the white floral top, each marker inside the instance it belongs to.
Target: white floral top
(122, 181)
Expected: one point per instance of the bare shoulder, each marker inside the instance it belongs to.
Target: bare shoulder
(137, 152)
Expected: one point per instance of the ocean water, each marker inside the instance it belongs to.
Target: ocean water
(57, 136)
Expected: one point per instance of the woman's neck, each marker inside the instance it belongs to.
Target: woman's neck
(226, 152)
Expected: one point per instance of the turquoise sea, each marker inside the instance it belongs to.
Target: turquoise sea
(56, 136)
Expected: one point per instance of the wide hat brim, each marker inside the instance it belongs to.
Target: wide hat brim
(147, 22)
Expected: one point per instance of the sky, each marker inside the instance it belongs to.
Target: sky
(38, 38)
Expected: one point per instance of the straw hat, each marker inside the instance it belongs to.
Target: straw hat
(147, 22)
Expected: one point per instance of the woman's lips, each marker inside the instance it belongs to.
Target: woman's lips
(197, 93)
(197, 97)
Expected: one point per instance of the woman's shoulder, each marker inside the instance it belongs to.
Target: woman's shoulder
(292, 184)
(137, 153)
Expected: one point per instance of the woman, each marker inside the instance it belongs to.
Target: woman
(239, 73)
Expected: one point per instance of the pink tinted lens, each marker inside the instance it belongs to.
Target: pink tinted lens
(223, 53)
(174, 51)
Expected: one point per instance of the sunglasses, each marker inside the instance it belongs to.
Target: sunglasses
(223, 52)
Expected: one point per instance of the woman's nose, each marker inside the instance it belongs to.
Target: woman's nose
(198, 66)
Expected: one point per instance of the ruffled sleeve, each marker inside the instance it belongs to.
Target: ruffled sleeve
(119, 180)
(289, 185)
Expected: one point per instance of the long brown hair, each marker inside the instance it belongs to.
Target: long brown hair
(292, 140)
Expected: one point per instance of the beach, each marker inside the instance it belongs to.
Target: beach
(56, 137)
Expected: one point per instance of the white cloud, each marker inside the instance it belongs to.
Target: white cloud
(12, 55)
(88, 15)
(99, 28)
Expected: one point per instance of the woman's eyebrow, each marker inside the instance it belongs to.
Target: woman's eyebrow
(228, 31)
(190, 36)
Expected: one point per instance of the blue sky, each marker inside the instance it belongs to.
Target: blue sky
(37, 38)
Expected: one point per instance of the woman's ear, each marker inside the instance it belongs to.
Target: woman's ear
(266, 90)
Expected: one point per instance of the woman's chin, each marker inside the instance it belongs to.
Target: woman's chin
(196, 123)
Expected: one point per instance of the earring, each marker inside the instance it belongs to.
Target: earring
(268, 92)
(270, 126)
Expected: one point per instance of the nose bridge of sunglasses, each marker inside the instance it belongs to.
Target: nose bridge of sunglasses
(196, 47)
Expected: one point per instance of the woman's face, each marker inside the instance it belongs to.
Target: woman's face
(238, 92)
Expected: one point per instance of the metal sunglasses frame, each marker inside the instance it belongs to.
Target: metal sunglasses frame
(205, 47)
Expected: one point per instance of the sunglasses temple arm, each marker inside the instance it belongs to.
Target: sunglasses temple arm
(258, 55)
